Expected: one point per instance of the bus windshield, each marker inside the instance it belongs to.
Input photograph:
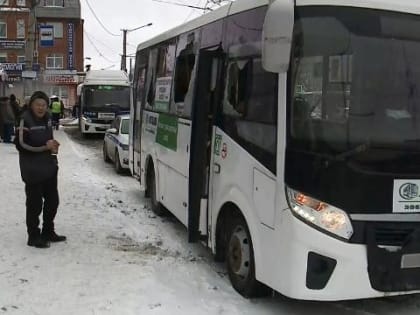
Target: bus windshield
(356, 87)
(107, 97)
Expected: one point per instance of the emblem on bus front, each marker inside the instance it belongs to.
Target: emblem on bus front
(409, 191)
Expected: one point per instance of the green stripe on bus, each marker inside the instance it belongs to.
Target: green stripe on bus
(167, 131)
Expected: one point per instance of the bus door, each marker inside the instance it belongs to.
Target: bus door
(206, 97)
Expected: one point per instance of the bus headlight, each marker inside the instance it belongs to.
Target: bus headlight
(86, 119)
(320, 214)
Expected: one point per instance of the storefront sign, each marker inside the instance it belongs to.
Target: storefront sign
(46, 35)
(12, 44)
(29, 74)
(70, 46)
(60, 79)
(13, 71)
(12, 66)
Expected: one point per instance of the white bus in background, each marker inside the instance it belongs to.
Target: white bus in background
(103, 95)
(285, 136)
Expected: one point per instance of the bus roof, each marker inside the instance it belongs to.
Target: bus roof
(231, 8)
(407, 6)
(112, 77)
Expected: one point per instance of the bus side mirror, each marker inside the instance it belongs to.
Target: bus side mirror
(277, 36)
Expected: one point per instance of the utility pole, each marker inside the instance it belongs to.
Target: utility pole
(124, 55)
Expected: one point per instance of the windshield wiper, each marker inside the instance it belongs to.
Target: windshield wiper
(356, 150)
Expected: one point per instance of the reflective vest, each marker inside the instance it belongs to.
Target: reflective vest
(56, 107)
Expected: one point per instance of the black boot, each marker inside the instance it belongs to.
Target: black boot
(38, 241)
(53, 237)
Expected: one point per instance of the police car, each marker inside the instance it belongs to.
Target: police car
(115, 147)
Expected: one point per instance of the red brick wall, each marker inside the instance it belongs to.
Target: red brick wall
(61, 46)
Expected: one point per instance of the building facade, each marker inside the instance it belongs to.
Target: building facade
(14, 24)
(52, 52)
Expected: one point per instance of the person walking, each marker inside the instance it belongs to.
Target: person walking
(39, 167)
(14, 104)
(8, 119)
(57, 109)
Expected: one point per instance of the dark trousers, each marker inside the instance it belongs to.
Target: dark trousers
(41, 197)
(55, 119)
(7, 132)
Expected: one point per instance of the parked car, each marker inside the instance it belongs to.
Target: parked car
(115, 147)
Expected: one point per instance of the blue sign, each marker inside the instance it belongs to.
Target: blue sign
(70, 46)
(46, 35)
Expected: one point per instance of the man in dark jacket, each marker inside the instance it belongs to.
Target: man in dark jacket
(38, 166)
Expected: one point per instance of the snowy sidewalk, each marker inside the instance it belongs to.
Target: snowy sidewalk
(120, 258)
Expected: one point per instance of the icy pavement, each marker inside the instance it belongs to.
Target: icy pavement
(120, 258)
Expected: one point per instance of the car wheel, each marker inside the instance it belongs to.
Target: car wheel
(118, 167)
(157, 207)
(105, 154)
(240, 260)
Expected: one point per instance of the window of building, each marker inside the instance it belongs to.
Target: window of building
(53, 3)
(21, 3)
(4, 2)
(58, 29)
(54, 61)
(20, 28)
(3, 29)
(21, 59)
(3, 57)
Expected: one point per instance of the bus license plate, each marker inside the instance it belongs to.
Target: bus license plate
(106, 115)
(409, 261)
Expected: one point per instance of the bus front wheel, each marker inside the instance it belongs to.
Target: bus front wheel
(240, 260)
(157, 207)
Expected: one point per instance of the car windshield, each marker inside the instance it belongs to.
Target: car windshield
(355, 82)
(125, 123)
(109, 97)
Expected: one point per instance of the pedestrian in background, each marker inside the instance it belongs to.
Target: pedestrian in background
(8, 119)
(39, 167)
(57, 110)
(14, 104)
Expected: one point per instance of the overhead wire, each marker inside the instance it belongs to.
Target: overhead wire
(99, 21)
(97, 50)
(100, 42)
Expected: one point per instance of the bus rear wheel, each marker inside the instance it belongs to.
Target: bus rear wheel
(240, 261)
(157, 207)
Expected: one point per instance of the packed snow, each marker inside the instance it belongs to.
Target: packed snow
(119, 257)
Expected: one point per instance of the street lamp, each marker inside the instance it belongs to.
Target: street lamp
(124, 55)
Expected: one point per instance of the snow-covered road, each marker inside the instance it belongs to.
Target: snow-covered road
(120, 258)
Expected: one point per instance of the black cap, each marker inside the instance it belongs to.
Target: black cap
(39, 94)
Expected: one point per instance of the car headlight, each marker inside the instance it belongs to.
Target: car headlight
(86, 119)
(320, 214)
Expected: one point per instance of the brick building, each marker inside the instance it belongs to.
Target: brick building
(52, 52)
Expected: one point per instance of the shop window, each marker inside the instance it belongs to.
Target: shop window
(58, 29)
(3, 29)
(53, 3)
(20, 28)
(54, 61)
(3, 57)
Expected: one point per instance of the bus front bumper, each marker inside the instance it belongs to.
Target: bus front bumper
(312, 265)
